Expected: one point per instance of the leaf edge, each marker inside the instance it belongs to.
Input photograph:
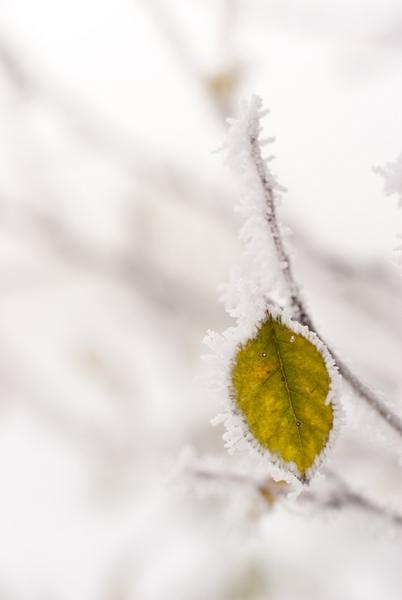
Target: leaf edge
(237, 435)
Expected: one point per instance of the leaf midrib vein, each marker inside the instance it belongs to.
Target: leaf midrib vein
(282, 368)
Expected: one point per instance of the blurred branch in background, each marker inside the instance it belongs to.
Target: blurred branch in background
(90, 129)
(371, 286)
(171, 296)
(336, 495)
(219, 87)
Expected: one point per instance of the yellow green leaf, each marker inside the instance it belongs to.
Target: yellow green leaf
(280, 384)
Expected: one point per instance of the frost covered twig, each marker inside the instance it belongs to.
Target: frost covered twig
(345, 497)
(354, 500)
(250, 126)
(342, 496)
(266, 181)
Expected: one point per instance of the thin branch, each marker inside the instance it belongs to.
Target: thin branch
(343, 497)
(297, 304)
(268, 489)
(371, 286)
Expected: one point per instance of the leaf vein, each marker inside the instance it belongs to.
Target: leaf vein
(282, 368)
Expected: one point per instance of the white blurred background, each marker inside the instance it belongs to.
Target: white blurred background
(117, 227)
